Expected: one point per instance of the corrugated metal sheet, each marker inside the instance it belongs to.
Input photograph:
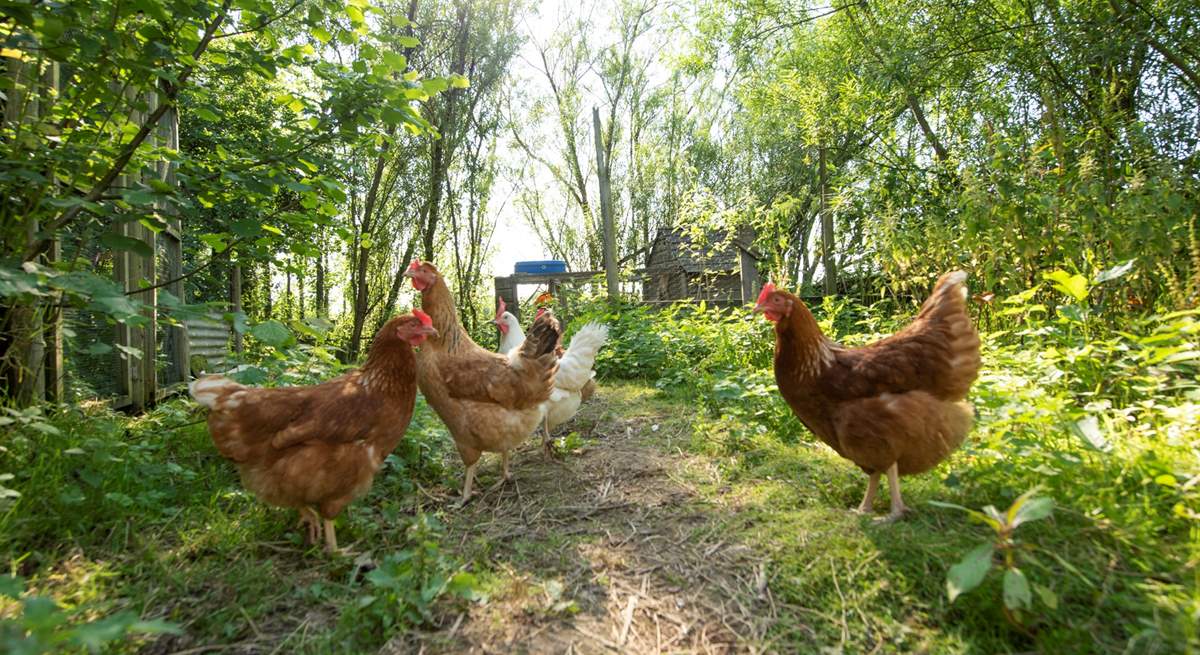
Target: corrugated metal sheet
(208, 341)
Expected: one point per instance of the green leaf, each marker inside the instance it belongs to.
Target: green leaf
(395, 61)
(321, 34)
(408, 41)
(1016, 590)
(970, 571)
(1074, 286)
(272, 332)
(129, 352)
(140, 197)
(207, 114)
(1088, 429)
(1034, 509)
(97, 633)
(250, 375)
(97, 348)
(215, 241)
(11, 586)
(1047, 596)
(459, 82)
(435, 85)
(1115, 272)
(121, 242)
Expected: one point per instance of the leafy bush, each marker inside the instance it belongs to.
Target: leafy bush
(402, 589)
(41, 626)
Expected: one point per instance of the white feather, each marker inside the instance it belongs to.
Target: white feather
(209, 389)
(511, 340)
(574, 371)
(575, 367)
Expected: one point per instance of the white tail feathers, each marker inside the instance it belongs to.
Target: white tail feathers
(209, 389)
(956, 279)
(575, 368)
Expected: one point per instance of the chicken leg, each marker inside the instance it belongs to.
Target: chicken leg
(312, 525)
(468, 480)
(898, 506)
(330, 537)
(869, 498)
(547, 442)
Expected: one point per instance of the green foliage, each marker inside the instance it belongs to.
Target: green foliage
(975, 565)
(1065, 395)
(41, 626)
(402, 589)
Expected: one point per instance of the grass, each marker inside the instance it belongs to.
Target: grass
(664, 528)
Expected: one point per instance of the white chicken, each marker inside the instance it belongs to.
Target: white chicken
(573, 383)
(511, 334)
(574, 372)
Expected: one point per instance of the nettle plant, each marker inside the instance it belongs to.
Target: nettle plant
(1004, 552)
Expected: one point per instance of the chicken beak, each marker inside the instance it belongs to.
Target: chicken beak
(410, 273)
(429, 330)
(759, 309)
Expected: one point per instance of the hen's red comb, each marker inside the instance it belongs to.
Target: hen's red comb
(768, 289)
(500, 309)
(423, 317)
(541, 310)
(416, 263)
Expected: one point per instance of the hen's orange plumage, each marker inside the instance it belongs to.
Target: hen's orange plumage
(489, 402)
(891, 407)
(317, 448)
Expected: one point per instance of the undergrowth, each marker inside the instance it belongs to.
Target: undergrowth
(119, 529)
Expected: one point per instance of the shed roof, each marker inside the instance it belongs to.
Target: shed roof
(678, 248)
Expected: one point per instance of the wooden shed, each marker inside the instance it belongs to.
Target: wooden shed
(714, 268)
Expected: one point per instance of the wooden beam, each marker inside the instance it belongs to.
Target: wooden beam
(235, 303)
(747, 264)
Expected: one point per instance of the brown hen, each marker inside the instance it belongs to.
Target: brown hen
(489, 402)
(317, 448)
(891, 407)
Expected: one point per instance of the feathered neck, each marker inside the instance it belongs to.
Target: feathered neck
(513, 338)
(799, 342)
(438, 302)
(389, 357)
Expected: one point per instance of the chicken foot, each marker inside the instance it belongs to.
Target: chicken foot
(547, 442)
(898, 506)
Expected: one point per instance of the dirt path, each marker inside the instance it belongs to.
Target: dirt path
(609, 550)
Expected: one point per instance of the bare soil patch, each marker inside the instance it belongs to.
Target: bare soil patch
(608, 550)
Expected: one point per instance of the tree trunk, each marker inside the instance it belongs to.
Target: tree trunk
(826, 230)
(606, 212)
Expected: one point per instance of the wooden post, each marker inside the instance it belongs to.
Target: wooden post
(826, 230)
(747, 265)
(606, 211)
(506, 288)
(181, 367)
(55, 373)
(235, 303)
(139, 380)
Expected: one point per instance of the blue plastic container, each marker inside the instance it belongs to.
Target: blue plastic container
(543, 266)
